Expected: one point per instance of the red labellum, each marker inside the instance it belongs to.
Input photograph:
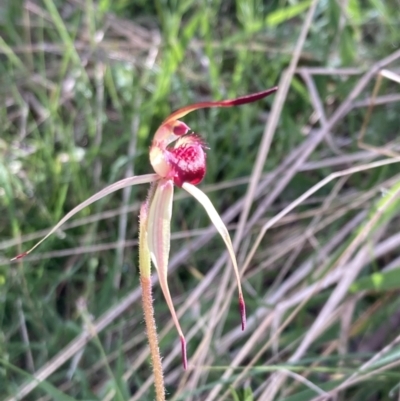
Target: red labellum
(187, 160)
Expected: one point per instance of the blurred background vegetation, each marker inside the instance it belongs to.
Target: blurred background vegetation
(83, 87)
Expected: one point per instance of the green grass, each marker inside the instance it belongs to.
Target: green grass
(83, 87)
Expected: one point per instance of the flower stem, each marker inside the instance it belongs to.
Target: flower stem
(152, 338)
(147, 299)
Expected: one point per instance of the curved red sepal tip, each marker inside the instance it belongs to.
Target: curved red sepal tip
(242, 309)
(219, 103)
(20, 256)
(251, 98)
(184, 355)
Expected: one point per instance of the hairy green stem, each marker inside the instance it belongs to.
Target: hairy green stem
(152, 338)
(148, 310)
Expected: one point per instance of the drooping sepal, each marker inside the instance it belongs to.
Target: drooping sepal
(221, 228)
(159, 235)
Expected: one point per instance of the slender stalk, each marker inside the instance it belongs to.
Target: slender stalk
(152, 337)
(147, 299)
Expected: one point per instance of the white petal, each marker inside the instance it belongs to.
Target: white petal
(126, 182)
(220, 226)
(159, 236)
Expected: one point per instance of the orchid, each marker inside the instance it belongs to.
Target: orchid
(178, 158)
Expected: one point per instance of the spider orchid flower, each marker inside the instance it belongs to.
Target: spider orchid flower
(178, 157)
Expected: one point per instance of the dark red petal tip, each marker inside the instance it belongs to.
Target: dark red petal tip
(20, 256)
(242, 309)
(251, 98)
(219, 103)
(183, 350)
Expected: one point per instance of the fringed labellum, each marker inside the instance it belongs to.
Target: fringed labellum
(178, 157)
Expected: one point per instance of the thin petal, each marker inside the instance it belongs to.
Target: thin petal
(159, 235)
(126, 182)
(220, 226)
(221, 103)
